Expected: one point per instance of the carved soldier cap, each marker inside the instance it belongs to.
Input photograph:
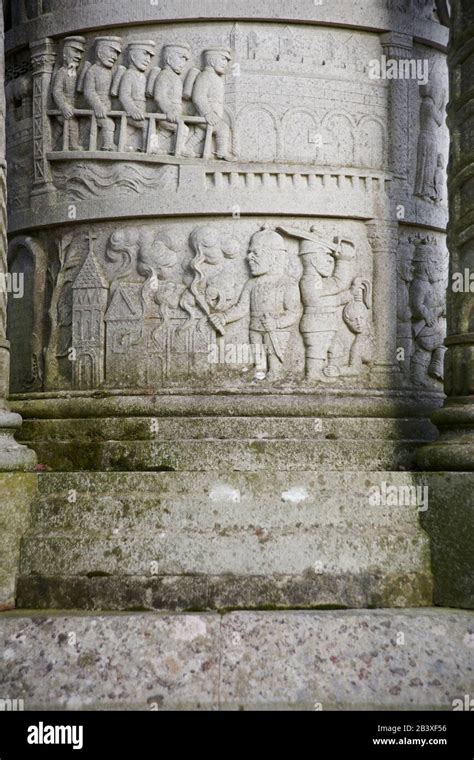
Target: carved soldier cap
(221, 50)
(78, 43)
(147, 45)
(270, 239)
(311, 242)
(177, 46)
(114, 42)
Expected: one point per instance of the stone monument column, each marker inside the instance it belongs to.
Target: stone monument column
(454, 450)
(217, 286)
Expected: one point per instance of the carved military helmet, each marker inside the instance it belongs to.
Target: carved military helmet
(269, 239)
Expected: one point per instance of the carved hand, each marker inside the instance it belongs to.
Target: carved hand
(135, 113)
(173, 116)
(100, 112)
(212, 118)
(217, 321)
(68, 112)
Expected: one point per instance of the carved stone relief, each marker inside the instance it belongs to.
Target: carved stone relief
(422, 281)
(430, 167)
(192, 99)
(153, 306)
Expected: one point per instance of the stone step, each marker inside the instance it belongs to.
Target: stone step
(179, 428)
(243, 539)
(226, 443)
(295, 660)
(193, 455)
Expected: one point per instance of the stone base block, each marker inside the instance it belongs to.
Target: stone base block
(324, 660)
(17, 490)
(450, 525)
(123, 541)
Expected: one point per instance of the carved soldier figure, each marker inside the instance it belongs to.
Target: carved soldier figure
(356, 315)
(404, 321)
(432, 110)
(132, 88)
(327, 274)
(97, 85)
(270, 297)
(208, 99)
(428, 304)
(168, 89)
(64, 87)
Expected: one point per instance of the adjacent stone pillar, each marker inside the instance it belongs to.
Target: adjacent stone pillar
(397, 46)
(383, 238)
(12, 455)
(16, 488)
(454, 450)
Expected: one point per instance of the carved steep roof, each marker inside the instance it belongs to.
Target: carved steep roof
(90, 275)
(121, 308)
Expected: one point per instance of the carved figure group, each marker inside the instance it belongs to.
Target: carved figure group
(173, 314)
(186, 105)
(327, 285)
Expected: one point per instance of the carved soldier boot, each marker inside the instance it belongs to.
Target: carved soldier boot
(314, 369)
(190, 150)
(74, 143)
(108, 138)
(419, 366)
(436, 366)
(222, 149)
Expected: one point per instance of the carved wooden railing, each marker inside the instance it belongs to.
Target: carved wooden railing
(153, 120)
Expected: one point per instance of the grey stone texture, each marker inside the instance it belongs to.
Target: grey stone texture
(366, 660)
(232, 237)
(18, 491)
(455, 448)
(206, 541)
(13, 456)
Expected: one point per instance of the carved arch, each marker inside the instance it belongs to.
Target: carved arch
(298, 143)
(371, 151)
(25, 323)
(265, 145)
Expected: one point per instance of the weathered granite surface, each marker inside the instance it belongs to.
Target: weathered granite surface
(231, 236)
(388, 660)
(17, 494)
(217, 540)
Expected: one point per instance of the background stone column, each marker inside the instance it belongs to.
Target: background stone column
(16, 488)
(455, 448)
(12, 455)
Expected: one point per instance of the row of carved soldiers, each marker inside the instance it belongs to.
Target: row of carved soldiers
(101, 80)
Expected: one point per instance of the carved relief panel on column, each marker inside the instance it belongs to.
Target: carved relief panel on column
(422, 269)
(226, 304)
